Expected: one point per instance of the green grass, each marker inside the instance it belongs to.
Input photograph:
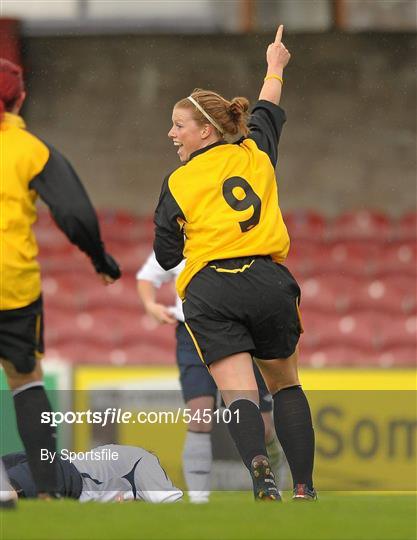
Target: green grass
(227, 516)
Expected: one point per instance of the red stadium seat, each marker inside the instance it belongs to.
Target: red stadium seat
(102, 353)
(122, 227)
(400, 355)
(143, 353)
(361, 225)
(399, 258)
(399, 331)
(406, 227)
(337, 356)
(305, 225)
(130, 256)
(327, 293)
(392, 293)
(301, 257)
(347, 258)
(80, 353)
(360, 330)
(119, 295)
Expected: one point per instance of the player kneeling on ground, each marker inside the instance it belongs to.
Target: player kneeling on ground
(127, 473)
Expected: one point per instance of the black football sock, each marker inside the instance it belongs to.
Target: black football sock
(247, 430)
(30, 402)
(295, 432)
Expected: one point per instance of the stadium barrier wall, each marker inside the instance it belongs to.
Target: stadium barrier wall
(365, 424)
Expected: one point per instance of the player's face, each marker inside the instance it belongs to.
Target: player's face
(185, 133)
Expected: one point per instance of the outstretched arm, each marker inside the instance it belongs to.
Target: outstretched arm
(60, 188)
(277, 57)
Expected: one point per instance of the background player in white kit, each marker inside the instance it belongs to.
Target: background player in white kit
(135, 474)
(7, 494)
(198, 387)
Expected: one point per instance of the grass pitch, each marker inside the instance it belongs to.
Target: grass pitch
(341, 516)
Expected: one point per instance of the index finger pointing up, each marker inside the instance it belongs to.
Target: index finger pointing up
(278, 37)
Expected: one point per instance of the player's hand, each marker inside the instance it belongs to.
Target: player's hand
(160, 313)
(277, 55)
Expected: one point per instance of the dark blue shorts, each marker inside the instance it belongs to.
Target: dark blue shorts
(195, 378)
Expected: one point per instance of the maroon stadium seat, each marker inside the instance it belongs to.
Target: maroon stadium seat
(337, 356)
(327, 293)
(361, 330)
(123, 227)
(406, 227)
(301, 257)
(305, 225)
(102, 353)
(391, 293)
(399, 258)
(361, 225)
(398, 331)
(398, 355)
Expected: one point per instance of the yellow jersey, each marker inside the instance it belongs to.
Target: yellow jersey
(30, 167)
(223, 203)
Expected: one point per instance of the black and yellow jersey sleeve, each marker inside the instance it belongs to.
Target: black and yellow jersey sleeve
(265, 127)
(60, 188)
(169, 237)
(28, 168)
(224, 202)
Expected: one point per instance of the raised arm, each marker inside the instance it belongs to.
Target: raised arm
(277, 57)
(267, 117)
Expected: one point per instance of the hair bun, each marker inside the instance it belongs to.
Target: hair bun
(239, 106)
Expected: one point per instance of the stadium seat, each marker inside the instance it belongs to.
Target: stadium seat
(305, 225)
(79, 353)
(101, 353)
(399, 258)
(130, 256)
(391, 293)
(144, 354)
(399, 355)
(301, 257)
(337, 356)
(361, 225)
(406, 227)
(399, 331)
(327, 293)
(119, 295)
(360, 330)
(123, 227)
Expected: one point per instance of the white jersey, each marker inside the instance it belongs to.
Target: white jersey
(152, 271)
(135, 474)
(5, 488)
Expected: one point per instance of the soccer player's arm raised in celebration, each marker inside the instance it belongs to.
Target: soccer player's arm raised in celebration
(267, 118)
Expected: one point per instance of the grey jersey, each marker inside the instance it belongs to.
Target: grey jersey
(134, 474)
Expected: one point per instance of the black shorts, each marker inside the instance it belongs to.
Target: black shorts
(247, 304)
(21, 336)
(195, 378)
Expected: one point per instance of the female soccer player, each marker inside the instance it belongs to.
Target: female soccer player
(239, 299)
(30, 168)
(198, 387)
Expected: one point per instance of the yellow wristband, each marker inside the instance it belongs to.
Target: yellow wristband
(277, 77)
